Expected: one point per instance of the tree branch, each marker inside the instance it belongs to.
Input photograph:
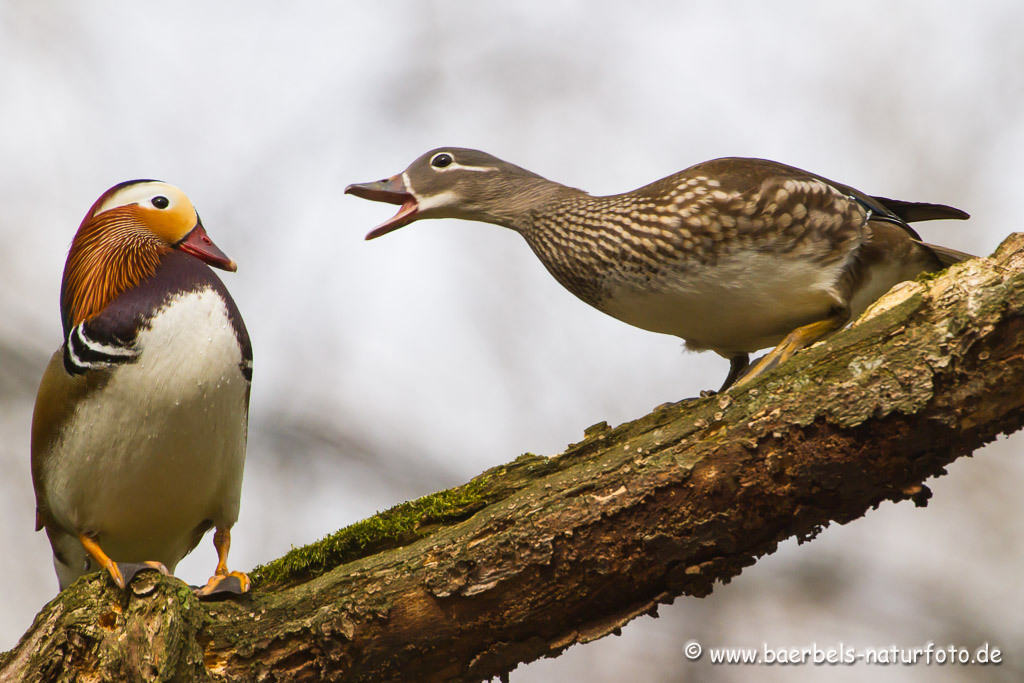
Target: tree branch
(532, 557)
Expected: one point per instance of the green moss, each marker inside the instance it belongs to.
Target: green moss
(403, 523)
(929, 275)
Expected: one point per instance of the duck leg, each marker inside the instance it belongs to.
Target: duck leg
(224, 581)
(121, 572)
(794, 341)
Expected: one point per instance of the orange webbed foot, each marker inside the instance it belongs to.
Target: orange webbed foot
(223, 582)
(229, 583)
(130, 569)
(121, 572)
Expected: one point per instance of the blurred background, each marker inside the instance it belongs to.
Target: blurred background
(387, 370)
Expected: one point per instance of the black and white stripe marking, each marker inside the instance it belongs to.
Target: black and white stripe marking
(81, 353)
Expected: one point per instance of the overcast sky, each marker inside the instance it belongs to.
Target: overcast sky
(389, 369)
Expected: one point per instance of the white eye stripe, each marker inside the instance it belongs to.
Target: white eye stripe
(453, 164)
(144, 194)
(480, 169)
(140, 193)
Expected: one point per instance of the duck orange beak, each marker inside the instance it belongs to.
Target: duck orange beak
(393, 191)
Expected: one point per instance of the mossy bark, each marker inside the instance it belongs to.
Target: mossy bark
(542, 553)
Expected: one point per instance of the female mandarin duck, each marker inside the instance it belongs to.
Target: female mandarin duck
(139, 430)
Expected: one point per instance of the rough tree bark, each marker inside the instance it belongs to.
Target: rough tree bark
(532, 557)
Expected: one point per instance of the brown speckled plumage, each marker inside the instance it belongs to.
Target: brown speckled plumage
(694, 217)
(732, 254)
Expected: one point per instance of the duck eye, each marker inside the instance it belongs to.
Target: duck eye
(160, 202)
(441, 159)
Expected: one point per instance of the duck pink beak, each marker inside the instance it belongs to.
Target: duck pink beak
(393, 191)
(198, 244)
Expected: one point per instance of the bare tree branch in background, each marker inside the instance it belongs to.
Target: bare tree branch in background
(530, 558)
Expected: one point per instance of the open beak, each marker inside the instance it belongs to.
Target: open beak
(198, 244)
(392, 191)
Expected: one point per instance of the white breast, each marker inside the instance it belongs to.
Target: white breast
(744, 302)
(161, 447)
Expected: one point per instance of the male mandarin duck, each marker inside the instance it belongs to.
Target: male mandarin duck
(139, 430)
